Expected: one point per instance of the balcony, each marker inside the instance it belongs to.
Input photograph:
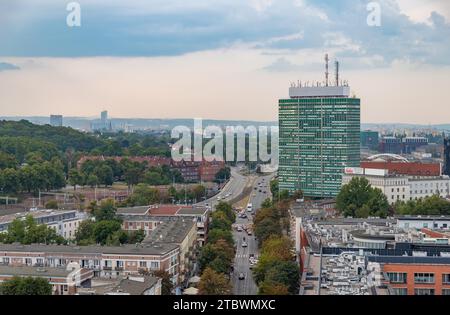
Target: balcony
(107, 268)
(118, 269)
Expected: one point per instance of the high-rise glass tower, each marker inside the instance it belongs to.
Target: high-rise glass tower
(319, 138)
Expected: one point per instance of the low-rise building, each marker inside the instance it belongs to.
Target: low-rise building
(104, 261)
(149, 217)
(64, 222)
(131, 285)
(401, 187)
(64, 281)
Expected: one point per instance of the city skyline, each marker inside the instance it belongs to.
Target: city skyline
(225, 61)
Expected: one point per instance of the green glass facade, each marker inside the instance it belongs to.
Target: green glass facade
(319, 137)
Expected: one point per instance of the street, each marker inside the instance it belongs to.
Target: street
(242, 264)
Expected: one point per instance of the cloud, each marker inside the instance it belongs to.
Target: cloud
(176, 27)
(4, 66)
(282, 65)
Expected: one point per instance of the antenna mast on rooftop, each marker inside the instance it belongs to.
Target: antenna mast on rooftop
(337, 72)
(326, 69)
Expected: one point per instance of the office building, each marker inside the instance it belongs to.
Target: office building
(369, 139)
(446, 169)
(319, 136)
(56, 120)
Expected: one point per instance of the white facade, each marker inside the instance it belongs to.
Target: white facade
(422, 186)
(402, 187)
(428, 222)
(395, 188)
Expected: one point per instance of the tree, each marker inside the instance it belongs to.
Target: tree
(358, 198)
(106, 211)
(223, 175)
(85, 233)
(52, 204)
(26, 286)
(278, 247)
(199, 192)
(143, 195)
(28, 232)
(75, 178)
(92, 180)
(267, 204)
(218, 256)
(215, 235)
(104, 230)
(213, 283)
(220, 221)
(286, 273)
(272, 288)
(266, 228)
(105, 175)
(227, 209)
(166, 283)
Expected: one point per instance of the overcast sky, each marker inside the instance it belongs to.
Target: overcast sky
(221, 59)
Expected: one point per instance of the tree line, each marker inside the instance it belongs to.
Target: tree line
(359, 199)
(277, 272)
(216, 257)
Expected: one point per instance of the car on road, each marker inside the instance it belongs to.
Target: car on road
(241, 276)
(244, 244)
(239, 228)
(249, 232)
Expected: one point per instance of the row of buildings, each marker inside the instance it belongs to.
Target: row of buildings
(191, 171)
(406, 255)
(173, 237)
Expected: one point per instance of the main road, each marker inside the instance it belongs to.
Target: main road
(247, 286)
(232, 189)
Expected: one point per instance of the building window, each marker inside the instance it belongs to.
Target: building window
(154, 265)
(423, 291)
(424, 277)
(400, 291)
(6, 260)
(397, 277)
(143, 264)
(446, 278)
(445, 291)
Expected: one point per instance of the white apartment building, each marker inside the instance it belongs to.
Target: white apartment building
(64, 222)
(401, 187)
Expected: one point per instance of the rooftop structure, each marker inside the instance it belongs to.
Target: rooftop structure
(319, 136)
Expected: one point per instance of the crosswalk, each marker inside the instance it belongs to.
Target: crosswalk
(242, 256)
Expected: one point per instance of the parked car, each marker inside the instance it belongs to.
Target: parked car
(244, 244)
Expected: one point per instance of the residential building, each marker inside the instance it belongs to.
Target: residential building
(104, 261)
(131, 285)
(64, 222)
(181, 231)
(149, 217)
(319, 136)
(64, 281)
(56, 120)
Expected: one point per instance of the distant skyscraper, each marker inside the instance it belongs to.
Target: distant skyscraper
(56, 120)
(104, 116)
(370, 139)
(319, 137)
(446, 170)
